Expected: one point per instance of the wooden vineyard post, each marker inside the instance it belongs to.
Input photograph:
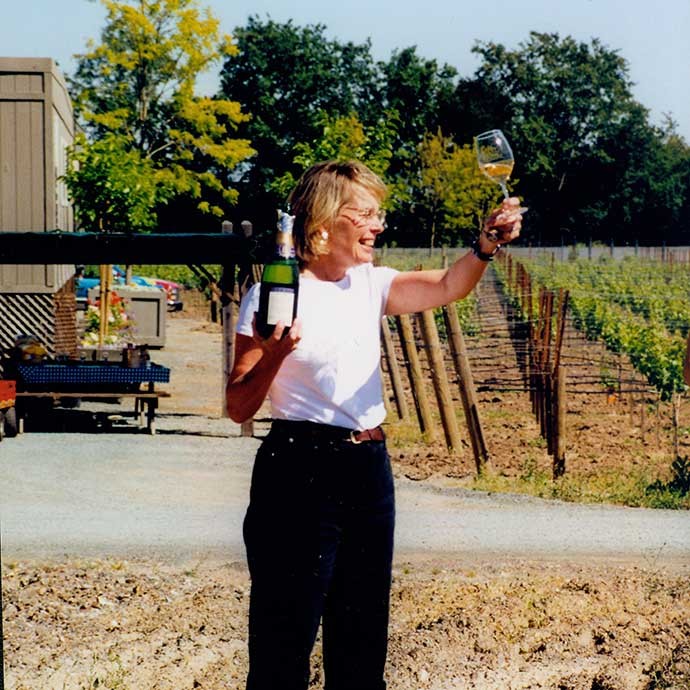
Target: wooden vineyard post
(466, 385)
(440, 379)
(545, 371)
(526, 309)
(414, 369)
(560, 407)
(559, 398)
(530, 336)
(530, 347)
(545, 374)
(394, 371)
(537, 358)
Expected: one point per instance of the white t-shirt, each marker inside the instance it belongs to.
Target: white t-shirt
(333, 376)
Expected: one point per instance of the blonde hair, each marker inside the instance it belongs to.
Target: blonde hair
(318, 197)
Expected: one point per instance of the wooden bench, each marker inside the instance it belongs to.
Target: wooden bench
(145, 402)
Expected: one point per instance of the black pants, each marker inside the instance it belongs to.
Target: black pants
(319, 539)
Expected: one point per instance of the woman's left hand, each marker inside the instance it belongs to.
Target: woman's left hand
(504, 224)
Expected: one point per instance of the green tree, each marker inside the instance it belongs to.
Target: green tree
(454, 195)
(420, 91)
(567, 104)
(138, 85)
(112, 185)
(344, 138)
(474, 107)
(287, 77)
(665, 179)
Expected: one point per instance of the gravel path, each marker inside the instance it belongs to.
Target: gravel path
(182, 494)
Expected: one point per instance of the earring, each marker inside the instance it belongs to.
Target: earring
(324, 237)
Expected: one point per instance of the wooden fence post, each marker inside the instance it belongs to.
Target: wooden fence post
(440, 379)
(466, 385)
(394, 371)
(414, 370)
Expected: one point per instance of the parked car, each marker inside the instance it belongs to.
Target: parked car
(172, 289)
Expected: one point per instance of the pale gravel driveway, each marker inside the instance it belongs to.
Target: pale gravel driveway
(181, 495)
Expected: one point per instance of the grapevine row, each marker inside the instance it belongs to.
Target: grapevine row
(637, 308)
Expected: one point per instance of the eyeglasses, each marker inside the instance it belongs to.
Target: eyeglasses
(366, 215)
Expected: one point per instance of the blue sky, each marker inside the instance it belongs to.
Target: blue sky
(652, 37)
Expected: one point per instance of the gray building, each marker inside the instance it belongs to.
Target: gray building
(36, 127)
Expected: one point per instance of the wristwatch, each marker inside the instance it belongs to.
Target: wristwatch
(483, 256)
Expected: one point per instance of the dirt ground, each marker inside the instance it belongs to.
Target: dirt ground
(498, 626)
(503, 624)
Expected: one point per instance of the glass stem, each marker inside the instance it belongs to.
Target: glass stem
(504, 189)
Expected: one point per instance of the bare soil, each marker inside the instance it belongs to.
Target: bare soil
(138, 625)
(504, 624)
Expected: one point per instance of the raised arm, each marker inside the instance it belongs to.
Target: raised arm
(256, 363)
(415, 291)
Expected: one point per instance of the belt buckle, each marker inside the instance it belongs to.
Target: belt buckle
(353, 438)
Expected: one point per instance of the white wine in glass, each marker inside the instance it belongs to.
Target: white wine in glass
(495, 157)
(499, 172)
(496, 160)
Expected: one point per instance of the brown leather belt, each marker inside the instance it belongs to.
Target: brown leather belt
(327, 432)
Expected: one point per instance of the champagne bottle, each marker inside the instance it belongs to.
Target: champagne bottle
(279, 283)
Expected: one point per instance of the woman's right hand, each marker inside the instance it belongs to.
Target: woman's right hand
(275, 345)
(504, 223)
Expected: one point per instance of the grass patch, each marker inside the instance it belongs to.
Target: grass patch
(404, 435)
(636, 489)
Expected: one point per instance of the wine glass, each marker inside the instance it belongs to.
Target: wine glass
(495, 158)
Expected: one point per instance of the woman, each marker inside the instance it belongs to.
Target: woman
(319, 527)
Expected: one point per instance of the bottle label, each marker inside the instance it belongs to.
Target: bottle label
(281, 302)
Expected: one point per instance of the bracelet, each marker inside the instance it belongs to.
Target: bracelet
(483, 256)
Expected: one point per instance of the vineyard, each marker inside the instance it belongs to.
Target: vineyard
(636, 306)
(577, 364)
(574, 359)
